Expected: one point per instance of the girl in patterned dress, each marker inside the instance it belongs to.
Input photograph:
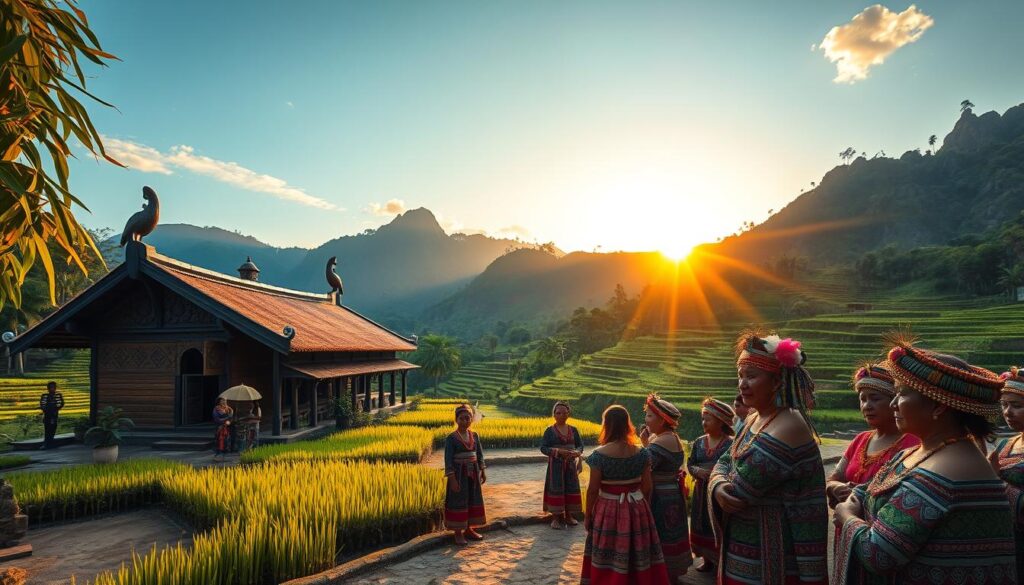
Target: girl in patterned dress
(622, 546)
(563, 446)
(464, 470)
(1008, 457)
(768, 491)
(668, 502)
(716, 418)
(936, 514)
(870, 450)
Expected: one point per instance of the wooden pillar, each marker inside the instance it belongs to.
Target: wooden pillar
(405, 378)
(380, 390)
(366, 392)
(276, 398)
(94, 378)
(391, 397)
(314, 402)
(350, 386)
(294, 388)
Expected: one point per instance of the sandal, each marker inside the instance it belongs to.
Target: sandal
(571, 521)
(474, 535)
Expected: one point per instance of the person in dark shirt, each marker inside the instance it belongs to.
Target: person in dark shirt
(50, 403)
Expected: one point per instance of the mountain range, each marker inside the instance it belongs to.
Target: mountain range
(414, 276)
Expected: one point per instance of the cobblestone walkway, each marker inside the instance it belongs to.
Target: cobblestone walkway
(533, 554)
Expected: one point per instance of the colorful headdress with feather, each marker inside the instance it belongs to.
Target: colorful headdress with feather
(665, 410)
(783, 357)
(1013, 381)
(874, 377)
(944, 378)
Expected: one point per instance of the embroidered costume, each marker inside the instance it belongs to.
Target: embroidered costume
(622, 546)
(562, 482)
(464, 459)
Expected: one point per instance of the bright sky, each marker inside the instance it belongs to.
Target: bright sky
(624, 125)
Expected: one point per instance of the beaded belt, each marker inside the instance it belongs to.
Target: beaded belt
(634, 496)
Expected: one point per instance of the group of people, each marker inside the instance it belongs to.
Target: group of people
(923, 497)
(232, 433)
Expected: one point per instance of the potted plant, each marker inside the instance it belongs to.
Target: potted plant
(107, 434)
(342, 410)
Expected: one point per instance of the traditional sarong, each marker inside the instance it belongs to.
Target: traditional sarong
(464, 461)
(702, 461)
(1011, 470)
(929, 530)
(622, 546)
(222, 438)
(782, 535)
(562, 482)
(668, 504)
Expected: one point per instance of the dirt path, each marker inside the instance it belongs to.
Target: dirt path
(93, 546)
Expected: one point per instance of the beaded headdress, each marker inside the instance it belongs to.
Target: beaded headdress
(963, 387)
(874, 377)
(1014, 381)
(463, 407)
(721, 411)
(665, 410)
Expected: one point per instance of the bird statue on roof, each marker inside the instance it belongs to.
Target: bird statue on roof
(142, 223)
(332, 277)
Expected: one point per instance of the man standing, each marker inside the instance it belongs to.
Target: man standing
(50, 403)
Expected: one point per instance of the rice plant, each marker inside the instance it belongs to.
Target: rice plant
(517, 432)
(397, 443)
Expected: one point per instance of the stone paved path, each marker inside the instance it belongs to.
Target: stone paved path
(533, 554)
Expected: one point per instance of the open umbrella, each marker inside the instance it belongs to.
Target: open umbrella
(241, 392)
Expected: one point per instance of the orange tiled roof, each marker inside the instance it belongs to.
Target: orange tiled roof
(324, 370)
(320, 325)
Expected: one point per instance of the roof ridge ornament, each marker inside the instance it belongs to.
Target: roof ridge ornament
(142, 223)
(334, 280)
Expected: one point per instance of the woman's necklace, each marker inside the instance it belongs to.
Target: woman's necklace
(1007, 458)
(881, 484)
(567, 437)
(739, 448)
(468, 442)
(867, 460)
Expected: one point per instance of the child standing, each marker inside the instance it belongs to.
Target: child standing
(464, 470)
(563, 446)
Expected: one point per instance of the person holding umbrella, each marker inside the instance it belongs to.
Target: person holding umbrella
(222, 415)
(247, 426)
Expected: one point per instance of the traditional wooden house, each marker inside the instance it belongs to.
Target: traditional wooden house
(167, 337)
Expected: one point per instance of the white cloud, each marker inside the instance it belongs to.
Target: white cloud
(870, 37)
(149, 160)
(289, 104)
(515, 230)
(136, 156)
(392, 207)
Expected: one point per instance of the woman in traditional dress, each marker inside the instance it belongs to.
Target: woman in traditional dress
(1008, 457)
(464, 468)
(222, 415)
(668, 504)
(716, 418)
(563, 446)
(936, 513)
(870, 450)
(742, 411)
(622, 546)
(768, 491)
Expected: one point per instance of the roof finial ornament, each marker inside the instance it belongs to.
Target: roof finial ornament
(142, 223)
(333, 279)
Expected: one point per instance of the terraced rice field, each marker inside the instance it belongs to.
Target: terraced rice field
(686, 365)
(478, 379)
(20, 396)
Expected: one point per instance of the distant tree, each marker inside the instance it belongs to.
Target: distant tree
(501, 327)
(848, 154)
(965, 106)
(490, 341)
(931, 141)
(548, 248)
(813, 183)
(552, 348)
(518, 335)
(438, 357)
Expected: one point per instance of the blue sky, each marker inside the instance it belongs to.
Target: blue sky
(651, 125)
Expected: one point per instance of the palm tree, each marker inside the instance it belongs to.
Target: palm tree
(438, 357)
(965, 106)
(550, 348)
(931, 142)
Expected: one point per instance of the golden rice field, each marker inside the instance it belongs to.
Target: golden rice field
(276, 521)
(87, 490)
(424, 418)
(397, 443)
(500, 433)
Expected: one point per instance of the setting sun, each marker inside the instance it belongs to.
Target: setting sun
(676, 252)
